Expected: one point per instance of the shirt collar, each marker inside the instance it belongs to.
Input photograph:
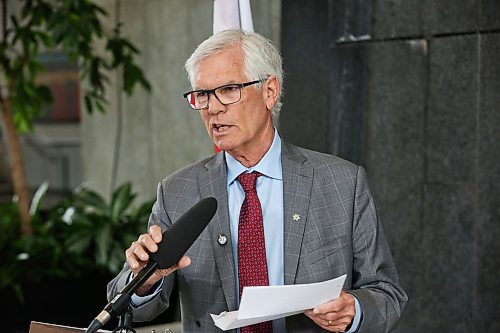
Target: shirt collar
(269, 165)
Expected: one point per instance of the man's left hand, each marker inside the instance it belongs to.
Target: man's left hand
(336, 315)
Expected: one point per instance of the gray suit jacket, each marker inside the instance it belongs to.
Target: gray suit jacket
(339, 232)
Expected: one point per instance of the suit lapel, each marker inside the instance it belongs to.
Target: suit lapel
(213, 183)
(297, 184)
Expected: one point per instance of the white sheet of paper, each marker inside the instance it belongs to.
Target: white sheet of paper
(260, 304)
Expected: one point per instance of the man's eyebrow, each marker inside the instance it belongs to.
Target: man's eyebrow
(225, 84)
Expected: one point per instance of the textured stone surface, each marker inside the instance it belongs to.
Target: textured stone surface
(487, 268)
(447, 268)
(423, 116)
(450, 16)
(348, 97)
(452, 109)
(394, 155)
(305, 53)
(396, 19)
(352, 19)
(488, 14)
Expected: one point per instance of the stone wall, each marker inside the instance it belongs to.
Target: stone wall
(410, 90)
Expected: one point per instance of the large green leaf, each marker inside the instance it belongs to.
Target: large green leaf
(104, 241)
(90, 198)
(116, 259)
(122, 198)
(78, 243)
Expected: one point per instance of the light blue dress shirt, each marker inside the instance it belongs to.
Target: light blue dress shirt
(270, 193)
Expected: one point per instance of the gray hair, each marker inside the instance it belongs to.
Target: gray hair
(260, 55)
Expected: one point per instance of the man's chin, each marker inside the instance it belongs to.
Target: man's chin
(223, 145)
(218, 144)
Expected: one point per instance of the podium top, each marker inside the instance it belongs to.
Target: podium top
(37, 327)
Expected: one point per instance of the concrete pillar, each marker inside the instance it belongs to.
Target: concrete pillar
(409, 89)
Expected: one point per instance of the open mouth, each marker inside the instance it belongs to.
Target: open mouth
(220, 127)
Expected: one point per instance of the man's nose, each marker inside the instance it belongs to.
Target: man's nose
(214, 105)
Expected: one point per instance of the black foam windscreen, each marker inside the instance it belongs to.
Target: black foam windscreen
(182, 233)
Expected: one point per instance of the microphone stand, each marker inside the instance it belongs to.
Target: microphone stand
(121, 302)
(125, 323)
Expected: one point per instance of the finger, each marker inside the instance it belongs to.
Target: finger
(330, 321)
(323, 319)
(182, 263)
(147, 241)
(339, 325)
(131, 259)
(156, 234)
(328, 328)
(185, 261)
(340, 304)
(314, 318)
(321, 322)
(333, 326)
(327, 307)
(338, 320)
(140, 252)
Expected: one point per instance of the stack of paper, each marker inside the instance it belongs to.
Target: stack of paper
(260, 304)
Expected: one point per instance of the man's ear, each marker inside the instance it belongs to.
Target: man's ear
(271, 90)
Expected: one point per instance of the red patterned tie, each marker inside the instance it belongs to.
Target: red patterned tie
(252, 264)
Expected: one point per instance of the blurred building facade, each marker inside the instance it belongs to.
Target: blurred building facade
(52, 151)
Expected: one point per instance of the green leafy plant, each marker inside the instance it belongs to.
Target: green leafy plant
(38, 256)
(84, 233)
(106, 229)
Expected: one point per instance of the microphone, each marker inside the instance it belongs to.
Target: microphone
(175, 241)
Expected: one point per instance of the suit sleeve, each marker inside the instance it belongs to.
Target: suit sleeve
(160, 302)
(375, 278)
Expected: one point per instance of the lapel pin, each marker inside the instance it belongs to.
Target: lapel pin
(296, 217)
(222, 239)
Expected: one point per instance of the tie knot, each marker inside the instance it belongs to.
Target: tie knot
(248, 180)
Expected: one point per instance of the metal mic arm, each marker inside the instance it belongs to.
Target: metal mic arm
(120, 303)
(125, 323)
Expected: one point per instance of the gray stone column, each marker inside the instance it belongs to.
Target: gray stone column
(411, 90)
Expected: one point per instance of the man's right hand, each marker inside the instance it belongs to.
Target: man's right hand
(137, 257)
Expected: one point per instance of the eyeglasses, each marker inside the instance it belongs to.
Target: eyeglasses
(226, 94)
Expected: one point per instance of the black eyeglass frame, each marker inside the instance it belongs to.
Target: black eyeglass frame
(212, 91)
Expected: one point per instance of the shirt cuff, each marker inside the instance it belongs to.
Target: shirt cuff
(140, 300)
(357, 317)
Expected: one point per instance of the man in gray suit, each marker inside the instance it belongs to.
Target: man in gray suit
(318, 215)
